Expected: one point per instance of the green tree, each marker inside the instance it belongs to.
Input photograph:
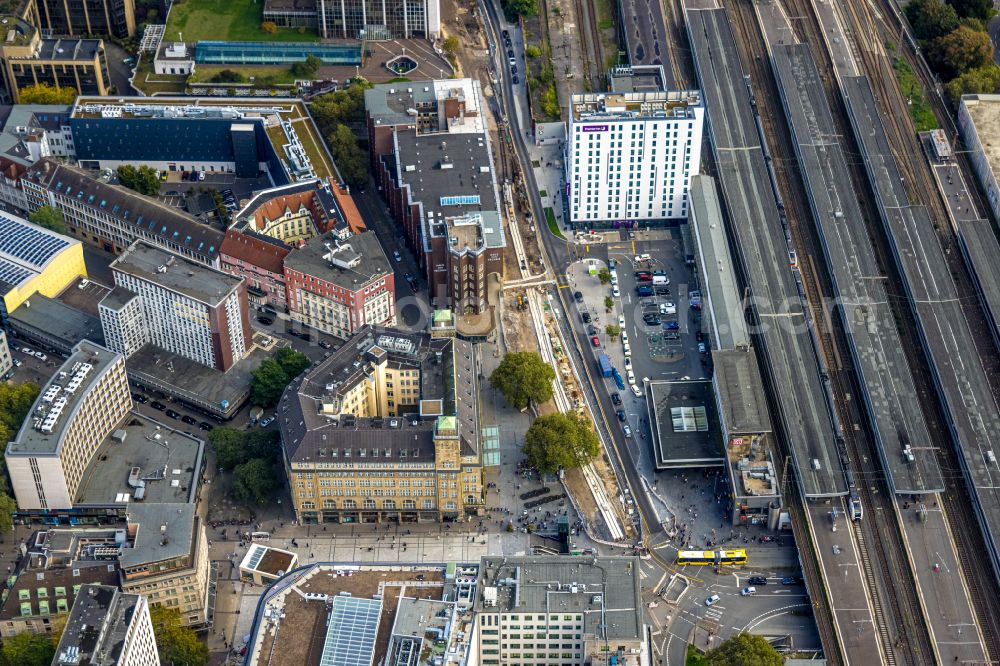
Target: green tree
(229, 446)
(348, 157)
(263, 443)
(28, 649)
(50, 218)
(143, 179)
(931, 19)
(604, 276)
(744, 650)
(15, 403)
(269, 27)
(515, 8)
(980, 9)
(175, 643)
(291, 361)
(609, 303)
(613, 330)
(523, 377)
(43, 93)
(450, 46)
(267, 383)
(308, 68)
(984, 79)
(550, 102)
(960, 50)
(532, 51)
(7, 508)
(346, 105)
(254, 481)
(560, 441)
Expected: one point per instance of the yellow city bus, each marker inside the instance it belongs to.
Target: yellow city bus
(711, 557)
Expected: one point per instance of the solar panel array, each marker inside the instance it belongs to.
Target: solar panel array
(27, 243)
(350, 635)
(13, 274)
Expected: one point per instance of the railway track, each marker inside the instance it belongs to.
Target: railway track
(593, 64)
(956, 502)
(899, 620)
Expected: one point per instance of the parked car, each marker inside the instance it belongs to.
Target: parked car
(17, 363)
(702, 348)
(585, 316)
(636, 390)
(516, 80)
(205, 425)
(41, 357)
(267, 321)
(615, 291)
(397, 256)
(266, 421)
(672, 326)
(627, 430)
(577, 295)
(712, 600)
(172, 414)
(591, 330)
(596, 341)
(189, 419)
(158, 406)
(616, 398)
(621, 414)
(651, 319)
(140, 398)
(324, 344)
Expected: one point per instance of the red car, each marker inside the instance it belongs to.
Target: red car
(596, 341)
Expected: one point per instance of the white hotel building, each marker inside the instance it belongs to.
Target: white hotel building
(630, 156)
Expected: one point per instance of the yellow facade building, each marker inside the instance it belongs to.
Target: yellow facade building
(35, 260)
(387, 428)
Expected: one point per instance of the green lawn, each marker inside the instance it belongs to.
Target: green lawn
(225, 20)
(920, 109)
(276, 73)
(550, 219)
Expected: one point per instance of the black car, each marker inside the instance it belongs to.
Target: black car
(324, 344)
(757, 580)
(304, 335)
(506, 35)
(790, 580)
(651, 319)
(516, 80)
(158, 406)
(578, 296)
(172, 414)
(267, 321)
(510, 53)
(616, 398)
(663, 291)
(621, 414)
(205, 425)
(140, 398)
(585, 316)
(189, 420)
(591, 330)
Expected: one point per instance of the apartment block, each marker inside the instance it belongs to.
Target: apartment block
(260, 260)
(112, 218)
(386, 428)
(340, 283)
(76, 410)
(29, 59)
(6, 362)
(82, 17)
(168, 559)
(431, 157)
(552, 610)
(108, 628)
(183, 307)
(630, 156)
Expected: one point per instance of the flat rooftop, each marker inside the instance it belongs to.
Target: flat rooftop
(741, 392)
(59, 399)
(391, 103)
(302, 628)
(192, 381)
(351, 264)
(165, 463)
(984, 111)
(634, 106)
(165, 532)
(604, 589)
(686, 428)
(68, 48)
(56, 319)
(639, 78)
(722, 292)
(97, 627)
(27, 598)
(267, 560)
(176, 273)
